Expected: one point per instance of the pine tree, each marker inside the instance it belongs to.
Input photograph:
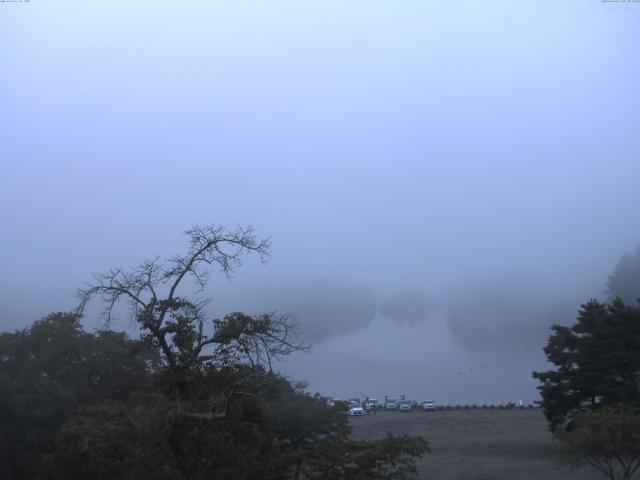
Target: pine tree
(597, 360)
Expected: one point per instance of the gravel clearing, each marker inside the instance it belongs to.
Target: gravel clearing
(478, 444)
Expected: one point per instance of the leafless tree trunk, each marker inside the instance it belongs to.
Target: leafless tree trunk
(178, 326)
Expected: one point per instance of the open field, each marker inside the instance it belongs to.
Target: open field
(478, 444)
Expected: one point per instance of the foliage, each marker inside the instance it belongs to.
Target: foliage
(392, 458)
(608, 439)
(80, 405)
(193, 399)
(597, 360)
(46, 372)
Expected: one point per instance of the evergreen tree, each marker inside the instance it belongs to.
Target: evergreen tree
(597, 360)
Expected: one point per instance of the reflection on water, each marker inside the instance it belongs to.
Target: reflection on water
(421, 361)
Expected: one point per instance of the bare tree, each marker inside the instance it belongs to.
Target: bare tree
(177, 325)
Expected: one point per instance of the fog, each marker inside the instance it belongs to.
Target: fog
(441, 181)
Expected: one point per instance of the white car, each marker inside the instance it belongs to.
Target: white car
(428, 406)
(356, 411)
(405, 406)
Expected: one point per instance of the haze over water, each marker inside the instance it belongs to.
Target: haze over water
(469, 168)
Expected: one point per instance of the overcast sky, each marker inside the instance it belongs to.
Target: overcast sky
(473, 166)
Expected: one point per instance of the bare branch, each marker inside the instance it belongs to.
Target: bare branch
(176, 325)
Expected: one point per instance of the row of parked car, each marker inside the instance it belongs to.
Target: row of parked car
(358, 407)
(403, 405)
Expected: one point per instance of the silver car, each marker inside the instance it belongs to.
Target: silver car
(428, 406)
(391, 404)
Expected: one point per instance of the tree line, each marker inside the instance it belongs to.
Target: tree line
(192, 398)
(196, 398)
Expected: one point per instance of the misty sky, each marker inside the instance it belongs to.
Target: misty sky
(473, 165)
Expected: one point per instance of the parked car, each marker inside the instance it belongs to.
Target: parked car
(391, 404)
(429, 406)
(371, 404)
(356, 411)
(405, 406)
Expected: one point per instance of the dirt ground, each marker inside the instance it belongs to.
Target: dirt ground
(478, 444)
